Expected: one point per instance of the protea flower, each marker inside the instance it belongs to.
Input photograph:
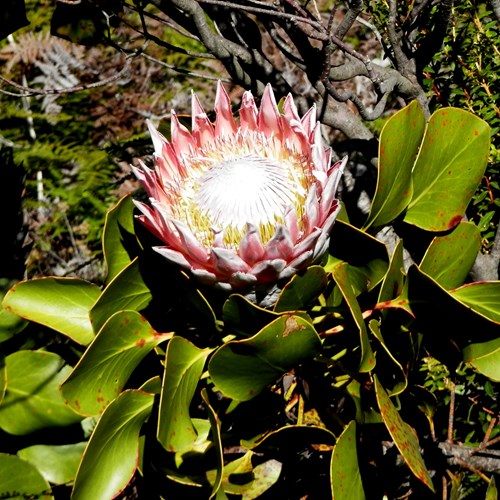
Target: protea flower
(242, 204)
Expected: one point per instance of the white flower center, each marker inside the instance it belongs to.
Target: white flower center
(245, 189)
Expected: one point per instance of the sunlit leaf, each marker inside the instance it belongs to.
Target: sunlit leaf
(184, 364)
(482, 297)
(344, 469)
(449, 167)
(32, 400)
(100, 375)
(120, 246)
(243, 368)
(398, 147)
(485, 358)
(449, 258)
(403, 435)
(59, 303)
(301, 290)
(341, 277)
(127, 291)
(57, 463)
(110, 459)
(20, 480)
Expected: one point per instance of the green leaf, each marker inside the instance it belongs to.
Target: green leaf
(110, 459)
(10, 323)
(485, 358)
(120, 245)
(184, 364)
(127, 291)
(217, 489)
(62, 304)
(57, 464)
(457, 317)
(403, 435)
(3, 377)
(32, 400)
(449, 258)
(449, 167)
(292, 438)
(482, 297)
(241, 369)
(367, 257)
(392, 286)
(341, 278)
(394, 372)
(492, 491)
(242, 316)
(20, 480)
(102, 371)
(344, 469)
(398, 147)
(301, 290)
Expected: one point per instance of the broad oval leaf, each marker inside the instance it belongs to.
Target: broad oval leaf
(32, 400)
(127, 291)
(184, 364)
(57, 463)
(62, 304)
(404, 436)
(398, 147)
(101, 373)
(241, 369)
(301, 290)
(111, 456)
(485, 358)
(344, 469)
(482, 297)
(449, 167)
(119, 244)
(449, 258)
(20, 479)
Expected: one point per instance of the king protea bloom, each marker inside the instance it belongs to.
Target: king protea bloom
(242, 204)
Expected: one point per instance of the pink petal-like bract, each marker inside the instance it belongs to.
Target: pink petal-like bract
(242, 203)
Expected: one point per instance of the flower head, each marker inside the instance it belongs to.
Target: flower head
(241, 204)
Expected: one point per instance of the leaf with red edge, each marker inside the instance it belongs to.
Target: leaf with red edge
(344, 469)
(111, 457)
(403, 435)
(449, 167)
(398, 147)
(449, 258)
(100, 375)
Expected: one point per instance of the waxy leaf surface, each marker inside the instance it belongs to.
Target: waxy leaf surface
(127, 291)
(398, 147)
(184, 364)
(344, 469)
(62, 304)
(120, 246)
(449, 167)
(21, 477)
(243, 368)
(301, 290)
(100, 375)
(449, 258)
(111, 456)
(485, 358)
(404, 436)
(57, 463)
(32, 400)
